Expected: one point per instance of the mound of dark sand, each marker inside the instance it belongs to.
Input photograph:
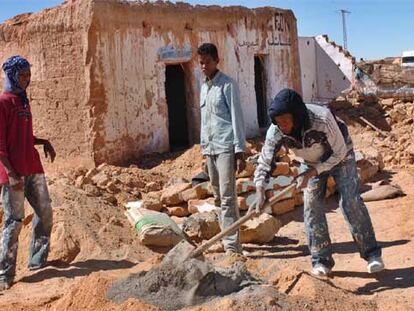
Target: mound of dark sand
(174, 287)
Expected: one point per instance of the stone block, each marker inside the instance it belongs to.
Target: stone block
(249, 199)
(202, 226)
(260, 229)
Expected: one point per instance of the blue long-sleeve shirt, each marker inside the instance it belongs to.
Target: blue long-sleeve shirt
(222, 122)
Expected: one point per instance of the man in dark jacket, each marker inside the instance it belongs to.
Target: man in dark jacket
(314, 134)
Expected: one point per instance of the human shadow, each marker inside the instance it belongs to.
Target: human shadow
(351, 247)
(278, 248)
(385, 280)
(82, 268)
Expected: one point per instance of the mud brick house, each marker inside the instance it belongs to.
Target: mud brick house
(113, 80)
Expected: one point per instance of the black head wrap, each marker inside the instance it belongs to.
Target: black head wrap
(288, 101)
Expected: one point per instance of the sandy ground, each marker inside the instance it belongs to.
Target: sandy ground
(110, 252)
(93, 245)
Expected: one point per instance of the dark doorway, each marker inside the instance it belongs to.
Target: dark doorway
(260, 87)
(177, 107)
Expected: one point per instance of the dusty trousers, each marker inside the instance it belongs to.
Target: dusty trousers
(221, 170)
(36, 192)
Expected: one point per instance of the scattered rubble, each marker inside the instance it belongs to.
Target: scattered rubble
(395, 117)
(194, 202)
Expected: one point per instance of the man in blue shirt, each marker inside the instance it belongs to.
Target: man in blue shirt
(222, 139)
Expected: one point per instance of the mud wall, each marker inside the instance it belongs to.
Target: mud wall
(55, 42)
(130, 113)
(98, 69)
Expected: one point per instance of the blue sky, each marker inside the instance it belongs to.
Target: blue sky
(376, 28)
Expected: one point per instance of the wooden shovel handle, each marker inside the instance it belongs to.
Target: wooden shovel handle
(205, 246)
(282, 193)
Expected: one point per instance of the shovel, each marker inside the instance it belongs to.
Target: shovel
(184, 250)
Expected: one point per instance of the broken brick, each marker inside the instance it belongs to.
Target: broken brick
(281, 168)
(248, 171)
(279, 182)
(241, 203)
(285, 159)
(171, 196)
(271, 193)
(294, 171)
(100, 179)
(199, 206)
(152, 201)
(197, 192)
(298, 198)
(112, 188)
(178, 211)
(283, 207)
(244, 185)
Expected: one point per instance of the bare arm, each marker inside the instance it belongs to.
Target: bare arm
(47, 148)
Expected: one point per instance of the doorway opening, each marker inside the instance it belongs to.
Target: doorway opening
(175, 90)
(261, 90)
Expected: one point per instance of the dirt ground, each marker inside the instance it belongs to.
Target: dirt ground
(93, 245)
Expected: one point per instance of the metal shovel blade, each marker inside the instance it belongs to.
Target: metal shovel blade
(179, 253)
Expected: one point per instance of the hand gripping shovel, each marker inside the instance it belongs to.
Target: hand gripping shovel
(184, 250)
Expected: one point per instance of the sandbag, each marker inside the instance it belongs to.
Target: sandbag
(154, 228)
(382, 193)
